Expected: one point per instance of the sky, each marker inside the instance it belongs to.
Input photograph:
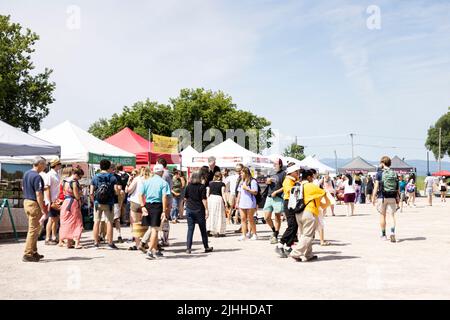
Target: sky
(318, 70)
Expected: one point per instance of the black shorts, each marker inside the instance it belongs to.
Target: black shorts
(154, 215)
(53, 213)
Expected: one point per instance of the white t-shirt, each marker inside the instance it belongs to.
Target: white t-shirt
(233, 183)
(134, 197)
(53, 181)
(46, 184)
(429, 181)
(349, 188)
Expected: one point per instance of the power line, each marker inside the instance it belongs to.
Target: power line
(388, 147)
(392, 138)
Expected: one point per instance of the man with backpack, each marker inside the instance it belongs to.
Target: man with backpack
(387, 190)
(120, 198)
(103, 188)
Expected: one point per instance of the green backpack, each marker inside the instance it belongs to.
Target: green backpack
(389, 181)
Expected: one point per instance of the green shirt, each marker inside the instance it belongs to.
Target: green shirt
(176, 185)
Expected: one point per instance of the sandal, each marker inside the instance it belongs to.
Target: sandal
(325, 243)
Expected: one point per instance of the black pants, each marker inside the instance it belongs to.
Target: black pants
(196, 217)
(291, 232)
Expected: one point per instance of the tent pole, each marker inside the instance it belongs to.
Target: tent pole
(149, 147)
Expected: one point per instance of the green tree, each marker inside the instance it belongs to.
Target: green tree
(432, 142)
(139, 117)
(295, 151)
(214, 109)
(23, 97)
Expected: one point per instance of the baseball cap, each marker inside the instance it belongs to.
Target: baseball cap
(292, 169)
(158, 168)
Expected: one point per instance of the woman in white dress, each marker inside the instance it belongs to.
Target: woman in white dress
(216, 223)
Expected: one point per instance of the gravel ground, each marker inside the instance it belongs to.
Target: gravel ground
(358, 265)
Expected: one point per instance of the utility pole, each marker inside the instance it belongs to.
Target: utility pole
(296, 143)
(353, 151)
(440, 138)
(335, 161)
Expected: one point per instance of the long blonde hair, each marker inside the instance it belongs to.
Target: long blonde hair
(145, 173)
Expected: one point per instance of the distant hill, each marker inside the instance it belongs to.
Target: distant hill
(421, 165)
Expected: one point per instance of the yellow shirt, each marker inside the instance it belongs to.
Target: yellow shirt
(314, 193)
(288, 184)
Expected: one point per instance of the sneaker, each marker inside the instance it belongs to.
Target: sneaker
(159, 254)
(313, 258)
(142, 248)
(254, 237)
(112, 246)
(188, 251)
(30, 259)
(273, 240)
(383, 238)
(39, 256)
(119, 240)
(210, 249)
(241, 238)
(281, 252)
(393, 238)
(150, 256)
(248, 235)
(288, 251)
(50, 243)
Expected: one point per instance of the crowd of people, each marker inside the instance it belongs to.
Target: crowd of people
(151, 200)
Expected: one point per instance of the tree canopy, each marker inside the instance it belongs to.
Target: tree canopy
(295, 151)
(24, 96)
(214, 108)
(432, 142)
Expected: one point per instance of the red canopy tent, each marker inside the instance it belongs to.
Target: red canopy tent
(442, 173)
(130, 141)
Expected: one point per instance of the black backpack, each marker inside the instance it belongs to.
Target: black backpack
(259, 197)
(103, 191)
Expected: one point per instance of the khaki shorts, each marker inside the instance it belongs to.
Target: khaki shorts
(105, 210)
(387, 205)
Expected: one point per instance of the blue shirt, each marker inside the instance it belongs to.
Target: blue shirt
(105, 178)
(402, 185)
(154, 189)
(32, 183)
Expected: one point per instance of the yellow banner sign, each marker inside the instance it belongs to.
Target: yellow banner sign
(163, 144)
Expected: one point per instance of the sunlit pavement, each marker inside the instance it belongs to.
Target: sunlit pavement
(357, 265)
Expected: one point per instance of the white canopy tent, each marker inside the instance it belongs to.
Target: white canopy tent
(313, 163)
(16, 143)
(228, 154)
(187, 155)
(79, 146)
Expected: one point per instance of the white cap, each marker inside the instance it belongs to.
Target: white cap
(291, 169)
(158, 168)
